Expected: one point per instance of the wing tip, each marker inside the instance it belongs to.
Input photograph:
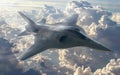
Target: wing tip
(108, 50)
(103, 48)
(20, 13)
(22, 58)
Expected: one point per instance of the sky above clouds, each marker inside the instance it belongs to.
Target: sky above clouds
(98, 23)
(112, 5)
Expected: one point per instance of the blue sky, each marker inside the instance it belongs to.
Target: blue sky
(112, 5)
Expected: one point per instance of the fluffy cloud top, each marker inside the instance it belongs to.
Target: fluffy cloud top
(116, 17)
(8, 62)
(112, 68)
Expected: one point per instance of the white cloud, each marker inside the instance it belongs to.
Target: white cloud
(112, 68)
(116, 17)
(82, 71)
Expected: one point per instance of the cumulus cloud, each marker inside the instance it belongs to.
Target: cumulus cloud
(82, 71)
(97, 22)
(116, 17)
(8, 62)
(112, 68)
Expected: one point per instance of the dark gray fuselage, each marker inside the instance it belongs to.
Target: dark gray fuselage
(61, 36)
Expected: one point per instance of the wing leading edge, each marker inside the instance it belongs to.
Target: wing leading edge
(33, 50)
(94, 44)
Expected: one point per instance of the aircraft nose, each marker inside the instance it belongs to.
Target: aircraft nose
(96, 45)
(25, 55)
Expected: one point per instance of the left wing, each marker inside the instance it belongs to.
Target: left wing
(24, 33)
(36, 48)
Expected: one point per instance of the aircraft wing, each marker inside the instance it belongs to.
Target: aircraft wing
(36, 48)
(94, 44)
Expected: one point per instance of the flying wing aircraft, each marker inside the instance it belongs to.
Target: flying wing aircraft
(60, 36)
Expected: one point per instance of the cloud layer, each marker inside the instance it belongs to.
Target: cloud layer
(97, 22)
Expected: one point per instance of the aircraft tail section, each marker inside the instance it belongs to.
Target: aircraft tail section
(32, 27)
